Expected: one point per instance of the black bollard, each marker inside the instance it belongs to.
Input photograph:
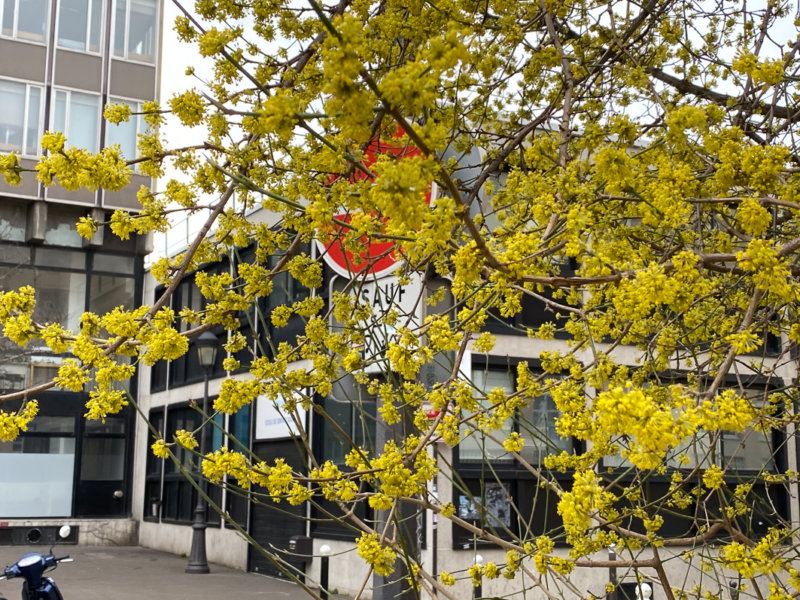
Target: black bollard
(323, 576)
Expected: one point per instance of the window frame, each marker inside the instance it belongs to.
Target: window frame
(509, 365)
(87, 45)
(173, 481)
(23, 149)
(126, 54)
(67, 114)
(137, 107)
(471, 478)
(361, 429)
(772, 494)
(15, 25)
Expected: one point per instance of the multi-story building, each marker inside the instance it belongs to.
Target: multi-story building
(485, 484)
(63, 61)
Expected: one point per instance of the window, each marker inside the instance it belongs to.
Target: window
(125, 133)
(77, 116)
(186, 369)
(536, 423)
(68, 281)
(353, 412)
(236, 500)
(20, 117)
(285, 291)
(80, 24)
(750, 457)
(153, 470)
(166, 488)
(353, 416)
(179, 498)
(47, 450)
(535, 311)
(25, 19)
(490, 488)
(135, 29)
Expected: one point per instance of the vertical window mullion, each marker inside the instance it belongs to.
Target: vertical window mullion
(127, 28)
(67, 106)
(25, 108)
(86, 44)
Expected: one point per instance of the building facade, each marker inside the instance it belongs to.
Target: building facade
(485, 484)
(63, 61)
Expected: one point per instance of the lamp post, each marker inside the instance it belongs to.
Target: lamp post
(206, 344)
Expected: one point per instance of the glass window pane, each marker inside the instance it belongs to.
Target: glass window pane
(40, 471)
(119, 27)
(123, 134)
(12, 115)
(8, 17)
(153, 463)
(95, 25)
(32, 19)
(113, 263)
(67, 259)
(142, 28)
(60, 297)
(240, 426)
(60, 112)
(107, 292)
(13, 218)
(45, 424)
(103, 459)
(335, 445)
(750, 450)
(72, 20)
(181, 418)
(217, 432)
(538, 427)
(32, 132)
(61, 226)
(43, 373)
(83, 118)
(13, 371)
(477, 446)
(51, 257)
(110, 425)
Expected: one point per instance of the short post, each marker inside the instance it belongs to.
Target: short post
(324, 567)
(644, 591)
(734, 585)
(478, 591)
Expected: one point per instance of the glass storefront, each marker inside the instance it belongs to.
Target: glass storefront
(63, 466)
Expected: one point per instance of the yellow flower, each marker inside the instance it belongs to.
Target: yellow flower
(380, 558)
(514, 442)
(713, 477)
(185, 439)
(160, 449)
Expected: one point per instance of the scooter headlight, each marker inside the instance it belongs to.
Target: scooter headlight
(29, 560)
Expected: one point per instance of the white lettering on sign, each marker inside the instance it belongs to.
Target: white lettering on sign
(384, 295)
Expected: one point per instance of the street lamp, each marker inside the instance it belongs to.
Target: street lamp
(207, 344)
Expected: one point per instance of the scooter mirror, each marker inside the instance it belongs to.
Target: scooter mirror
(64, 532)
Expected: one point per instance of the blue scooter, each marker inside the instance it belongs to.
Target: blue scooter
(32, 567)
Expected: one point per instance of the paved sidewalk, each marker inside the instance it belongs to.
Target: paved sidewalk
(133, 573)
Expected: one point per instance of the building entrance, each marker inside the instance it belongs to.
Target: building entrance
(273, 524)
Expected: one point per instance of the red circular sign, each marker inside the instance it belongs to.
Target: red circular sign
(377, 257)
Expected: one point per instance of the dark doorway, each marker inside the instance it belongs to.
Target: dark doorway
(273, 524)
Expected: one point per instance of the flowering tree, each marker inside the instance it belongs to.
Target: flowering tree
(633, 171)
